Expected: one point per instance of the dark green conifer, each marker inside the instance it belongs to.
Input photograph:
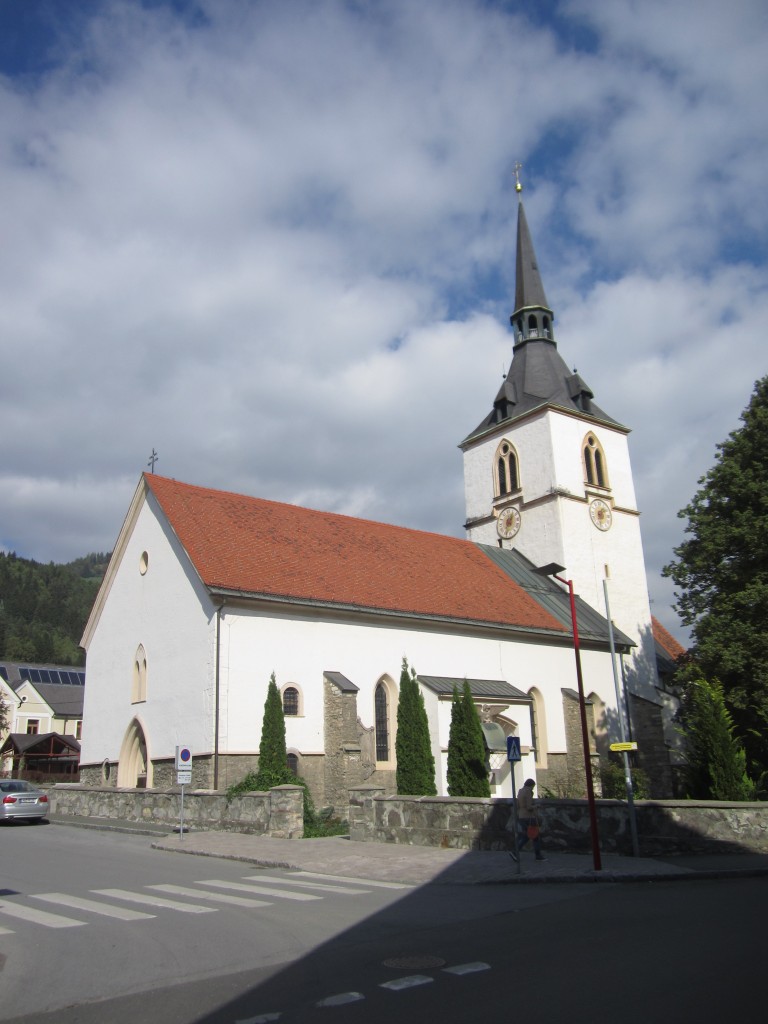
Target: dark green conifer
(415, 763)
(273, 766)
(467, 771)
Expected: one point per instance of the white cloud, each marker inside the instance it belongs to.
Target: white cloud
(275, 243)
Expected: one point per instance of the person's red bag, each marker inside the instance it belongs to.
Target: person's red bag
(533, 831)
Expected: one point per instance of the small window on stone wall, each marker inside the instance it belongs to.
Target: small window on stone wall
(292, 761)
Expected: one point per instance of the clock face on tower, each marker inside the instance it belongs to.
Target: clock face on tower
(600, 513)
(508, 522)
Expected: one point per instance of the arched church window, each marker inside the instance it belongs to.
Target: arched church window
(139, 681)
(533, 327)
(546, 327)
(292, 761)
(381, 707)
(595, 470)
(290, 701)
(507, 477)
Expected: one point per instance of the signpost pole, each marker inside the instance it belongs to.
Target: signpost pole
(622, 731)
(181, 818)
(513, 756)
(183, 776)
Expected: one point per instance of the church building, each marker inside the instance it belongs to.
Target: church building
(209, 593)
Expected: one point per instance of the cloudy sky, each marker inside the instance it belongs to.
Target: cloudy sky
(274, 242)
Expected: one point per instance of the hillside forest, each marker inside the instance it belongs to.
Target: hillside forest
(44, 608)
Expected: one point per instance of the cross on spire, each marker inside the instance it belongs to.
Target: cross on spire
(518, 185)
(153, 459)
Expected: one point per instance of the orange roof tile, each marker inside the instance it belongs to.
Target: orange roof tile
(665, 639)
(268, 548)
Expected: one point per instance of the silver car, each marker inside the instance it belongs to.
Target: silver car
(19, 799)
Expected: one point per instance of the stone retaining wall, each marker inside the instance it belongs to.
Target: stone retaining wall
(279, 812)
(664, 826)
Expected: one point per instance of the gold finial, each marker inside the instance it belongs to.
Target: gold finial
(518, 168)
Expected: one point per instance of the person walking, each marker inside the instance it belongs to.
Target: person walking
(527, 818)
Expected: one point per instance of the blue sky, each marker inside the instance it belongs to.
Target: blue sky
(274, 241)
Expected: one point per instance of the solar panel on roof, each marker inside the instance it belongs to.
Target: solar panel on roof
(4, 672)
(34, 675)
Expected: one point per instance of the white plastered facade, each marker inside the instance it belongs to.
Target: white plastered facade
(154, 600)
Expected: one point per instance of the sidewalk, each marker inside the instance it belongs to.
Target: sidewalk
(417, 865)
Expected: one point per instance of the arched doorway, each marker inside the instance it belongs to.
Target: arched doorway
(134, 767)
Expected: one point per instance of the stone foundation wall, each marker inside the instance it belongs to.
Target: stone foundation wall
(279, 813)
(664, 827)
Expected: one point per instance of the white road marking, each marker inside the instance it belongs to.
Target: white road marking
(409, 981)
(341, 999)
(355, 881)
(214, 897)
(6, 931)
(262, 890)
(294, 880)
(38, 916)
(154, 901)
(263, 1018)
(471, 968)
(76, 903)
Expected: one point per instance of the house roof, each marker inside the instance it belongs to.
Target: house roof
(444, 686)
(252, 547)
(15, 673)
(668, 650)
(64, 701)
(591, 624)
(26, 743)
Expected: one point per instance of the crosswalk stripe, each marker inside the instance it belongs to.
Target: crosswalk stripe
(24, 913)
(78, 903)
(214, 897)
(262, 890)
(293, 880)
(6, 931)
(359, 881)
(154, 901)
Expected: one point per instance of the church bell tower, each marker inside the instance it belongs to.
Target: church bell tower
(548, 472)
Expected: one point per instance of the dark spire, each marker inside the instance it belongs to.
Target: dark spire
(538, 375)
(529, 291)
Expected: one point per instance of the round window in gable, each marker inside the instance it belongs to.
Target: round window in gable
(143, 562)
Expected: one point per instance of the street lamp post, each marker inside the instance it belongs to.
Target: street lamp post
(553, 570)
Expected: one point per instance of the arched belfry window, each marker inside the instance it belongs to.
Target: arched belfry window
(506, 472)
(595, 469)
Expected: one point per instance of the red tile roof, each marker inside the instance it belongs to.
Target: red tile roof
(259, 547)
(665, 640)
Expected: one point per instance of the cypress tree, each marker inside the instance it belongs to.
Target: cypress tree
(415, 763)
(716, 764)
(467, 773)
(273, 766)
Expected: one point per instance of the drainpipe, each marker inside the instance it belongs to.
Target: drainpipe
(216, 700)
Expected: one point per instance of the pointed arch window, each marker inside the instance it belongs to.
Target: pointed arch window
(506, 470)
(595, 468)
(139, 682)
(381, 708)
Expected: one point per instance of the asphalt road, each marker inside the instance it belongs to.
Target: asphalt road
(661, 951)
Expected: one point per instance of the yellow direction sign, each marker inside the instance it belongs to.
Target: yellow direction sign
(624, 746)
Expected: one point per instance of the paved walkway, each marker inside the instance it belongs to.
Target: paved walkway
(417, 865)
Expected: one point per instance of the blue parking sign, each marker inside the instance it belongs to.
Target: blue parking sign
(513, 748)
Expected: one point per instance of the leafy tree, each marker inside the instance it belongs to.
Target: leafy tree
(273, 763)
(467, 773)
(722, 572)
(415, 762)
(45, 607)
(716, 765)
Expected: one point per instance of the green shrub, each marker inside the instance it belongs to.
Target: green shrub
(614, 783)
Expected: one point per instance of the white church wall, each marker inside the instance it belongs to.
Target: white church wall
(300, 649)
(167, 611)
